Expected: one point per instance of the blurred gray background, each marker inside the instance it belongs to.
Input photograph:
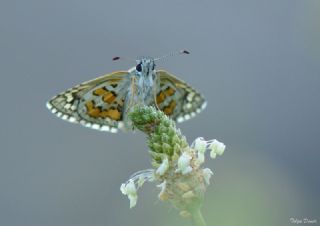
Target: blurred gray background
(256, 62)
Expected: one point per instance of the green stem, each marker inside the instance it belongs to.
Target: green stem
(197, 218)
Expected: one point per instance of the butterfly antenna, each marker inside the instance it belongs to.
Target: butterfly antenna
(116, 58)
(120, 58)
(173, 54)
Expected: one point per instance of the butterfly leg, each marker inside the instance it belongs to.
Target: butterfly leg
(133, 94)
(129, 103)
(155, 98)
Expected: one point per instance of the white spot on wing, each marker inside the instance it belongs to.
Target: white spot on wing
(69, 97)
(190, 96)
(95, 126)
(65, 117)
(67, 106)
(105, 128)
(180, 119)
(49, 106)
(72, 119)
(54, 110)
(87, 124)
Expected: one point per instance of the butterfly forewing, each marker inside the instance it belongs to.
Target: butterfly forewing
(176, 98)
(103, 103)
(97, 103)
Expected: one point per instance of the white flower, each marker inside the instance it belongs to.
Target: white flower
(200, 158)
(217, 148)
(133, 200)
(184, 163)
(130, 190)
(200, 145)
(207, 173)
(213, 155)
(163, 167)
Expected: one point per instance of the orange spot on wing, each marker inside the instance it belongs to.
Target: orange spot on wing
(104, 114)
(169, 109)
(96, 112)
(89, 105)
(100, 91)
(160, 98)
(169, 91)
(112, 113)
(92, 110)
(109, 97)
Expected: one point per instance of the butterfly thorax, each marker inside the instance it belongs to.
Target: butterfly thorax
(144, 76)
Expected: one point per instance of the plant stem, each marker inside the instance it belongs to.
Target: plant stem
(197, 218)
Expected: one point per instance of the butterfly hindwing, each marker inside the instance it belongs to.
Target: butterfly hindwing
(176, 98)
(103, 103)
(96, 103)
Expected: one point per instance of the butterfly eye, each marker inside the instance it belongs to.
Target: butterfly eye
(139, 68)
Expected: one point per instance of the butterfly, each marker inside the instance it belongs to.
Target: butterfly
(103, 103)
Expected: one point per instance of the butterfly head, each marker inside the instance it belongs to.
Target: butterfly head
(145, 65)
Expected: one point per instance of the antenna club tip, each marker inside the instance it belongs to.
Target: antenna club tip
(115, 58)
(184, 51)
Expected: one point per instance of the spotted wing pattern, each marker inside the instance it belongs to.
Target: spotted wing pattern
(176, 98)
(98, 104)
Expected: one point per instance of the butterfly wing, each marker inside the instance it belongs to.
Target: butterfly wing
(176, 98)
(98, 103)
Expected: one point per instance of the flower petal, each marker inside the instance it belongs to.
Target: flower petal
(200, 145)
(217, 148)
(163, 167)
(200, 158)
(129, 188)
(184, 163)
(133, 200)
